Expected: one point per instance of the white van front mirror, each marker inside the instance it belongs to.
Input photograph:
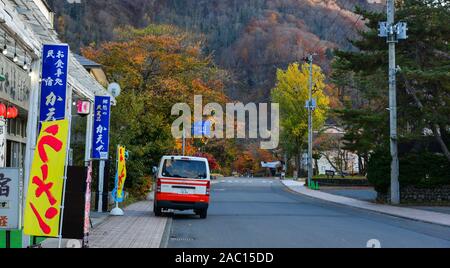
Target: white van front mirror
(155, 170)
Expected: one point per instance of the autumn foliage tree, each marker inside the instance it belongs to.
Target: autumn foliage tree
(157, 67)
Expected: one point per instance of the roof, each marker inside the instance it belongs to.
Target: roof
(40, 31)
(87, 63)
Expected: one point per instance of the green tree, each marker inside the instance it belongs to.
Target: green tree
(423, 78)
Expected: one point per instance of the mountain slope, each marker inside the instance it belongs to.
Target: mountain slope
(250, 37)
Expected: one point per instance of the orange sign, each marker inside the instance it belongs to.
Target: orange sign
(45, 188)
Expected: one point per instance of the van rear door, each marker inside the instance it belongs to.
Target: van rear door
(185, 176)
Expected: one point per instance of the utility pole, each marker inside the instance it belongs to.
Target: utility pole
(310, 108)
(395, 185)
(393, 32)
(184, 141)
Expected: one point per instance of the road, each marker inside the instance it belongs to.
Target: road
(262, 213)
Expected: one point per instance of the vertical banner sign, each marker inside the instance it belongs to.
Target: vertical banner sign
(54, 82)
(2, 142)
(87, 206)
(100, 144)
(45, 190)
(121, 175)
(9, 199)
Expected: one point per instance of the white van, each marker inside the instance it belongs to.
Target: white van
(183, 183)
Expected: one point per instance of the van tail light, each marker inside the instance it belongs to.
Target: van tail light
(208, 188)
(158, 186)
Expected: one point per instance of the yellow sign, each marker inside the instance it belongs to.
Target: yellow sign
(45, 188)
(121, 173)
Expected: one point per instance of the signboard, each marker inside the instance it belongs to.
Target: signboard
(2, 142)
(202, 129)
(87, 206)
(45, 190)
(54, 82)
(121, 175)
(9, 199)
(311, 104)
(16, 87)
(83, 107)
(100, 147)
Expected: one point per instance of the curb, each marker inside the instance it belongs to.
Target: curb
(166, 235)
(289, 189)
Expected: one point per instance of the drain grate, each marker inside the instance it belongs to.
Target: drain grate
(182, 239)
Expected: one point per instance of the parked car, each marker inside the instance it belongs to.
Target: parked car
(183, 183)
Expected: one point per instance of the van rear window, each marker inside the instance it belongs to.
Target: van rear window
(188, 169)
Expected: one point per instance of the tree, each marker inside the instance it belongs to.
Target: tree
(423, 84)
(291, 92)
(157, 67)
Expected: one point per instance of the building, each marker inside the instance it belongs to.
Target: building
(332, 155)
(25, 26)
(95, 69)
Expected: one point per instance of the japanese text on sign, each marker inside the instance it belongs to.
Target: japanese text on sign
(43, 204)
(121, 175)
(9, 198)
(54, 82)
(202, 129)
(100, 147)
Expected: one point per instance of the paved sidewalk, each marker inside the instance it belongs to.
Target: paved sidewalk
(139, 228)
(96, 219)
(408, 213)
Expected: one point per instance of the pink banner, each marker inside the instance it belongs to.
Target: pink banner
(87, 208)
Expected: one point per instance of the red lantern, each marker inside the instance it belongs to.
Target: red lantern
(12, 112)
(9, 113)
(2, 110)
(16, 112)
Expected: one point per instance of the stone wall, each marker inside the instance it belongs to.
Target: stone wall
(413, 194)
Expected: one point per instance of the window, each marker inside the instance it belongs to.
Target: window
(11, 127)
(18, 127)
(184, 169)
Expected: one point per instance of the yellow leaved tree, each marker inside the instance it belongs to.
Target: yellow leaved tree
(292, 93)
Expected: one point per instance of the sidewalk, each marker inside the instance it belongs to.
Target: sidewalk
(408, 213)
(97, 218)
(139, 228)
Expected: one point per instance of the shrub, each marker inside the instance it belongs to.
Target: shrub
(378, 170)
(420, 169)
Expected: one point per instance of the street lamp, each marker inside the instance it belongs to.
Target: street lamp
(16, 58)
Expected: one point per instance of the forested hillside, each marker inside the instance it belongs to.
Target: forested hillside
(249, 37)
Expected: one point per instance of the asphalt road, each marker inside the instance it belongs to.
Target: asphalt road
(262, 213)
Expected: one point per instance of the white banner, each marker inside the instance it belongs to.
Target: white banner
(2, 142)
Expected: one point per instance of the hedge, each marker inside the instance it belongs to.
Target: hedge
(424, 169)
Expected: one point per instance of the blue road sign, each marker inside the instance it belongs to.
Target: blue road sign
(54, 82)
(202, 129)
(100, 143)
